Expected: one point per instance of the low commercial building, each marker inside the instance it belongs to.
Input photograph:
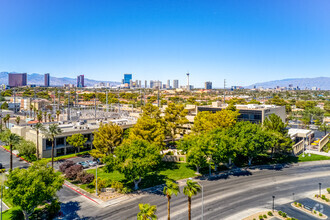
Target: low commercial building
(251, 112)
(85, 128)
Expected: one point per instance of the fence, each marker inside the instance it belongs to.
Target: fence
(298, 148)
(174, 158)
(324, 141)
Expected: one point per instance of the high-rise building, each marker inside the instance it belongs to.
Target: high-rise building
(130, 83)
(47, 80)
(151, 84)
(127, 79)
(17, 79)
(175, 84)
(168, 85)
(145, 84)
(188, 85)
(208, 85)
(81, 81)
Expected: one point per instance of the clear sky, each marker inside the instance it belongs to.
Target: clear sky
(244, 41)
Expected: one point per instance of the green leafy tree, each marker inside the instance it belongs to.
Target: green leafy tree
(175, 118)
(51, 133)
(11, 140)
(4, 105)
(106, 138)
(149, 129)
(281, 140)
(191, 189)
(324, 127)
(77, 141)
(207, 121)
(39, 127)
(27, 149)
(147, 212)
(136, 158)
(170, 189)
(251, 140)
(29, 188)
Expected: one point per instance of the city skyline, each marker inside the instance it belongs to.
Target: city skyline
(238, 41)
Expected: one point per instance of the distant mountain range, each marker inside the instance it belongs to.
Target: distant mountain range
(320, 82)
(38, 79)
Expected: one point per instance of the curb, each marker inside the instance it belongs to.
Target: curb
(15, 155)
(80, 193)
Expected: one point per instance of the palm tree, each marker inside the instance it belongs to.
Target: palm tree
(38, 128)
(52, 132)
(147, 211)
(39, 117)
(31, 108)
(6, 119)
(45, 116)
(11, 140)
(170, 189)
(34, 113)
(49, 117)
(17, 120)
(191, 189)
(58, 112)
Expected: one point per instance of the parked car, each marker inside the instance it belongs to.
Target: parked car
(83, 164)
(91, 163)
(1, 166)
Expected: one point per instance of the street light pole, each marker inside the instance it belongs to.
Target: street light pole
(202, 201)
(96, 180)
(320, 188)
(1, 201)
(273, 203)
(293, 196)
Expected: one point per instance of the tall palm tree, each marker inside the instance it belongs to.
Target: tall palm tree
(39, 117)
(49, 117)
(6, 120)
(170, 189)
(190, 190)
(147, 211)
(31, 108)
(38, 128)
(58, 112)
(11, 140)
(52, 132)
(45, 116)
(17, 120)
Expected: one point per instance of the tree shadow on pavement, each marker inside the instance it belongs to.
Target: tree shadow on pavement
(69, 211)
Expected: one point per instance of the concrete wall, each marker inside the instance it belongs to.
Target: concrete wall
(324, 141)
(174, 158)
(298, 148)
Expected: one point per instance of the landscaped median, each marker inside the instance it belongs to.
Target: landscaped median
(269, 214)
(309, 210)
(118, 185)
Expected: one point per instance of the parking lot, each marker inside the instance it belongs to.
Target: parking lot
(77, 159)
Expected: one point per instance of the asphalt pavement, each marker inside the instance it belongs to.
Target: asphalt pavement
(230, 197)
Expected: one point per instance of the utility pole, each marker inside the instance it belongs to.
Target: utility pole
(224, 91)
(14, 100)
(158, 97)
(106, 101)
(68, 115)
(141, 97)
(95, 105)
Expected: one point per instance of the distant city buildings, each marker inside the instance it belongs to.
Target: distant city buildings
(127, 79)
(175, 84)
(47, 80)
(17, 79)
(208, 85)
(80, 81)
(168, 85)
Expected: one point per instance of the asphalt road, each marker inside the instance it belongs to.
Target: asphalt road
(226, 198)
(5, 160)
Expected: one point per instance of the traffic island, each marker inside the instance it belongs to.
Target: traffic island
(264, 215)
(309, 210)
(325, 199)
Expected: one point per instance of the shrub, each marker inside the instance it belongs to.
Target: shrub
(260, 217)
(299, 204)
(270, 213)
(314, 212)
(280, 213)
(85, 177)
(265, 216)
(295, 203)
(26, 149)
(66, 165)
(118, 186)
(126, 190)
(2, 170)
(284, 214)
(101, 183)
(72, 172)
(328, 189)
(320, 214)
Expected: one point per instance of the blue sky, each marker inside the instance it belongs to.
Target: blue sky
(244, 41)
